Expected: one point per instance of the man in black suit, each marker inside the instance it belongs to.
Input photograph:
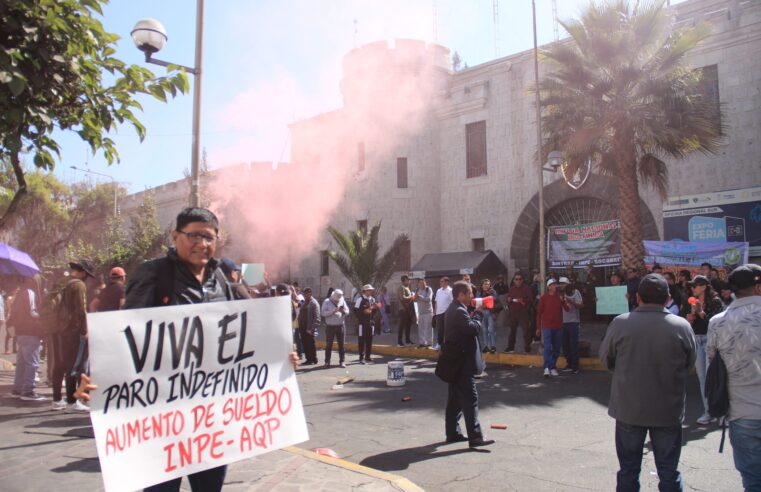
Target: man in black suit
(461, 331)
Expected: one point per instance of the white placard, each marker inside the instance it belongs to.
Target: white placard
(253, 273)
(186, 388)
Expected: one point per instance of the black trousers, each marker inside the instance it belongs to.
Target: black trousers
(210, 480)
(334, 332)
(523, 319)
(438, 323)
(365, 343)
(307, 342)
(462, 401)
(66, 347)
(405, 323)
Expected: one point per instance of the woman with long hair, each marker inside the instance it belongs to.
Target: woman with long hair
(699, 308)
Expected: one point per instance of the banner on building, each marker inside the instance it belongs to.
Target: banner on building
(596, 244)
(725, 216)
(690, 255)
(185, 388)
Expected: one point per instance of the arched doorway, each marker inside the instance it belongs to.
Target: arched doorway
(596, 201)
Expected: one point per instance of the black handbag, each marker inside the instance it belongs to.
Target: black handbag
(451, 359)
(717, 393)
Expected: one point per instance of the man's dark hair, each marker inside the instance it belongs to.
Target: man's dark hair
(460, 287)
(196, 214)
(706, 264)
(669, 275)
(686, 274)
(405, 277)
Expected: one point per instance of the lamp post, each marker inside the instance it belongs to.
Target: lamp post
(150, 36)
(113, 182)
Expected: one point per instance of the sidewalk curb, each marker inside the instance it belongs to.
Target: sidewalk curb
(400, 482)
(586, 363)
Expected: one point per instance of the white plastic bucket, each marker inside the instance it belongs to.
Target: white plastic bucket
(395, 373)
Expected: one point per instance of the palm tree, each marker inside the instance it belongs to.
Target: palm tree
(359, 260)
(620, 93)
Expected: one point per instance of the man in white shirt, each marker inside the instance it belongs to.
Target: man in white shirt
(736, 335)
(442, 301)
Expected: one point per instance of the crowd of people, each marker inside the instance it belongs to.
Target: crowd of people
(677, 322)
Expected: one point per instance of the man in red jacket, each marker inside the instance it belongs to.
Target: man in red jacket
(549, 317)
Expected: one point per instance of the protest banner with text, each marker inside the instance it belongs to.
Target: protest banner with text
(185, 388)
(580, 245)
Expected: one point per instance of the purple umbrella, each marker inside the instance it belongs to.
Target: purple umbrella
(15, 262)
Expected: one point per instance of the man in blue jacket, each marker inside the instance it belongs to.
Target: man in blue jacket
(461, 331)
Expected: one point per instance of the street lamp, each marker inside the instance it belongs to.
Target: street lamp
(149, 37)
(113, 182)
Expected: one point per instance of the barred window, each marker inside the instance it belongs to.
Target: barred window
(475, 141)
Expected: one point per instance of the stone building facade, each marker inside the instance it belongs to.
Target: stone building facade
(463, 176)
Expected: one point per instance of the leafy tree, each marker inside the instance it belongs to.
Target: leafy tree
(58, 71)
(360, 260)
(620, 93)
(147, 240)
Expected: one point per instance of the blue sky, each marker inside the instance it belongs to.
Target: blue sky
(268, 63)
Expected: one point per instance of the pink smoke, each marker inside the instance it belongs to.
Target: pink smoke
(278, 216)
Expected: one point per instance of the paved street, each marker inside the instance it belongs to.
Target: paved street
(559, 437)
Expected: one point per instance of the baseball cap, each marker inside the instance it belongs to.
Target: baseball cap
(745, 276)
(699, 280)
(228, 266)
(117, 272)
(367, 287)
(336, 295)
(551, 281)
(653, 288)
(564, 280)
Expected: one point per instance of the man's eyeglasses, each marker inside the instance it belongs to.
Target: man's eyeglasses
(197, 237)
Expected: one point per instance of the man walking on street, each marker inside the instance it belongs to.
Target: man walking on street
(735, 334)
(26, 320)
(462, 399)
(406, 312)
(309, 323)
(70, 344)
(365, 308)
(650, 352)
(334, 311)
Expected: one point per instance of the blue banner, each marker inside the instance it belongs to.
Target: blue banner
(692, 254)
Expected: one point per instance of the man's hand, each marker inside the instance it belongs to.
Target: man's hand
(294, 358)
(83, 391)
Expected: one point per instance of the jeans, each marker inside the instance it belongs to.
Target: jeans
(667, 447)
(571, 344)
(27, 363)
(701, 364)
(745, 436)
(297, 343)
(336, 332)
(552, 340)
(210, 480)
(489, 329)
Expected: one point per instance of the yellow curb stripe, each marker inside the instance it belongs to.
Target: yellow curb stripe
(586, 363)
(6, 365)
(401, 482)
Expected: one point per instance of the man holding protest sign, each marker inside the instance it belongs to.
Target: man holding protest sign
(188, 274)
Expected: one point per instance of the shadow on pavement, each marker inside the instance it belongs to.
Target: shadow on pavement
(401, 459)
(87, 465)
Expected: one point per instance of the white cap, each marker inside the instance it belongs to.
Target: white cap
(336, 295)
(564, 280)
(551, 281)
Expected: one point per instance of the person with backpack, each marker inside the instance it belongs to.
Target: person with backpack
(735, 335)
(65, 318)
(26, 321)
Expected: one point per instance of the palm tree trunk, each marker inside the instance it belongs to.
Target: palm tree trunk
(20, 192)
(632, 248)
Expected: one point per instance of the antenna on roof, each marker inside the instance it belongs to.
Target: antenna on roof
(495, 14)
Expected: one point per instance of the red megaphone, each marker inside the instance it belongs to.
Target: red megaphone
(487, 302)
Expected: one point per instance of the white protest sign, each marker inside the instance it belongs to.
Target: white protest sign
(185, 388)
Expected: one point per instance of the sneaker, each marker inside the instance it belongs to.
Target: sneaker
(77, 407)
(369, 361)
(58, 405)
(546, 373)
(436, 347)
(566, 369)
(705, 419)
(508, 351)
(327, 365)
(493, 350)
(362, 361)
(33, 397)
(485, 349)
(342, 365)
(575, 371)
(553, 372)
(481, 376)
(410, 342)
(400, 344)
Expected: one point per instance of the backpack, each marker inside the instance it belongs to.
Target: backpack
(53, 318)
(717, 393)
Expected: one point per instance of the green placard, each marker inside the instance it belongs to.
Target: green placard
(612, 300)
